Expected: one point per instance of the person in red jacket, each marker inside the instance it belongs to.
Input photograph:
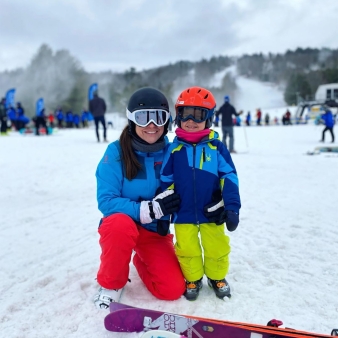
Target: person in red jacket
(259, 116)
(51, 119)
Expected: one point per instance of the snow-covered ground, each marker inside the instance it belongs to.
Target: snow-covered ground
(284, 252)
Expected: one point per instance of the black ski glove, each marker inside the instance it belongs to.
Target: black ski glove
(231, 220)
(168, 201)
(214, 211)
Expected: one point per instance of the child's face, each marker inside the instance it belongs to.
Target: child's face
(192, 127)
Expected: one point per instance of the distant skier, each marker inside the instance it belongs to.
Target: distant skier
(329, 122)
(267, 119)
(76, 120)
(84, 118)
(69, 119)
(227, 112)
(287, 118)
(259, 117)
(97, 107)
(40, 121)
(51, 118)
(59, 116)
(22, 119)
(248, 119)
(3, 117)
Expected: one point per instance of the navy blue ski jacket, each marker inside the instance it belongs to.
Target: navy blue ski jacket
(197, 170)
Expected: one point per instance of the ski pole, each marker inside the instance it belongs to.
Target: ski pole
(246, 138)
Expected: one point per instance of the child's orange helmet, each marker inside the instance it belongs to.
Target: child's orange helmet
(196, 97)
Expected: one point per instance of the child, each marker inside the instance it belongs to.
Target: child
(200, 167)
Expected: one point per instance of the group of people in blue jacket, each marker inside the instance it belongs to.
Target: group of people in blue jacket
(15, 115)
(71, 120)
(145, 183)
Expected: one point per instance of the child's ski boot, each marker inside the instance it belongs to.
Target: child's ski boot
(220, 287)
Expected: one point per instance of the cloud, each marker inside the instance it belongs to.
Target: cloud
(119, 34)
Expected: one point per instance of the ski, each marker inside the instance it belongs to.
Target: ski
(161, 334)
(125, 318)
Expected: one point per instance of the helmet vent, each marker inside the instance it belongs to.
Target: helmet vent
(188, 91)
(206, 96)
(199, 91)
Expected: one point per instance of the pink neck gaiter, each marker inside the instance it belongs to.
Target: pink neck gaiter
(191, 137)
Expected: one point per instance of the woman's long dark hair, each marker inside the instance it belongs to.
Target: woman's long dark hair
(129, 160)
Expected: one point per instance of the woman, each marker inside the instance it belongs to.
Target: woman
(135, 214)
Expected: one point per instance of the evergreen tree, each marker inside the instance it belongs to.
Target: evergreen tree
(297, 89)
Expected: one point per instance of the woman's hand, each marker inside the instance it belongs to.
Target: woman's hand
(163, 204)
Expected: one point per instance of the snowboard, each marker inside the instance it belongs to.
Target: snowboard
(161, 334)
(125, 318)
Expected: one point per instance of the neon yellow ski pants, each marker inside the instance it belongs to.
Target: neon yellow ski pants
(192, 241)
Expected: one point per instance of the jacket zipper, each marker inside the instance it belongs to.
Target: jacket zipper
(194, 179)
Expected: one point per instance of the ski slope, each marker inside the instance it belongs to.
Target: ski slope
(252, 95)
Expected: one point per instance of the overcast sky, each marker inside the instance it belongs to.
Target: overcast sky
(119, 34)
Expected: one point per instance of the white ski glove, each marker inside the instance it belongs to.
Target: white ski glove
(163, 204)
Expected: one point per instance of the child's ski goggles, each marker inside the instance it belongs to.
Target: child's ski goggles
(197, 114)
(143, 117)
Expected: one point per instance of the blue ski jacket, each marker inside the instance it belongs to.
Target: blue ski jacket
(197, 170)
(328, 119)
(117, 194)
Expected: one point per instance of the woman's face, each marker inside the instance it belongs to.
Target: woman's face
(151, 133)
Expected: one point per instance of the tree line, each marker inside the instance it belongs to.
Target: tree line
(61, 80)
(300, 71)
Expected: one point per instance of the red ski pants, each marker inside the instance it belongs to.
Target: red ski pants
(154, 258)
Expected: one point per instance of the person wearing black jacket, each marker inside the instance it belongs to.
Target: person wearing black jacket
(227, 112)
(3, 117)
(97, 107)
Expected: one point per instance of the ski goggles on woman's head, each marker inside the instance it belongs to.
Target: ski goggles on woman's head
(143, 117)
(197, 114)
